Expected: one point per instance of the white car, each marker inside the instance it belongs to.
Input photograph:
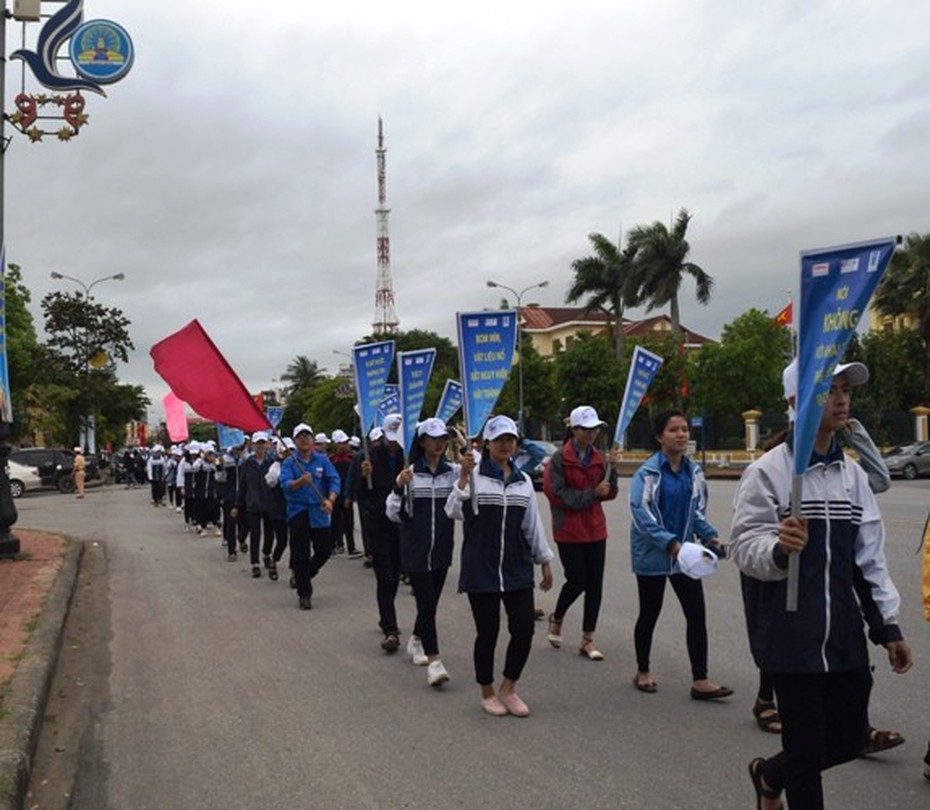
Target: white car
(22, 478)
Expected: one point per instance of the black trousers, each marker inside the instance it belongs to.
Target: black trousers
(279, 530)
(384, 545)
(305, 538)
(824, 720)
(690, 593)
(521, 623)
(158, 491)
(343, 525)
(229, 527)
(427, 588)
(259, 523)
(583, 564)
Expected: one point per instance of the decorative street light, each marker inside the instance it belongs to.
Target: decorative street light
(88, 287)
(519, 296)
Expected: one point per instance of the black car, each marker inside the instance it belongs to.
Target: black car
(55, 465)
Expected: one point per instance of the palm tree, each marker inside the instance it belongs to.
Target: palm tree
(302, 372)
(606, 278)
(660, 264)
(905, 290)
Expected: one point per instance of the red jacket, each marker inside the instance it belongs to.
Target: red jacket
(577, 515)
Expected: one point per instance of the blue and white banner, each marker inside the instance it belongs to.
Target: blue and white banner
(229, 436)
(275, 414)
(836, 285)
(450, 401)
(413, 372)
(486, 353)
(6, 403)
(371, 365)
(643, 368)
(390, 403)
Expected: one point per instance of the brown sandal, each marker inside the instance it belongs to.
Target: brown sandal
(767, 717)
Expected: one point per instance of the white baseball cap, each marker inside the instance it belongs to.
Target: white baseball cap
(289, 443)
(340, 436)
(856, 374)
(259, 436)
(696, 561)
(374, 434)
(434, 427)
(498, 426)
(303, 427)
(355, 441)
(391, 426)
(585, 416)
(321, 438)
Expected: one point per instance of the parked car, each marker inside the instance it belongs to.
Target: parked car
(22, 478)
(55, 465)
(909, 460)
(536, 474)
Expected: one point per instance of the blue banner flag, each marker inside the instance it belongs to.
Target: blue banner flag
(413, 373)
(229, 436)
(6, 403)
(486, 348)
(371, 365)
(450, 401)
(275, 414)
(390, 403)
(643, 368)
(836, 284)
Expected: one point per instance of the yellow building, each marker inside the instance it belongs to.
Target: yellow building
(553, 329)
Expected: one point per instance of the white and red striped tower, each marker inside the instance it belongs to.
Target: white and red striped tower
(385, 322)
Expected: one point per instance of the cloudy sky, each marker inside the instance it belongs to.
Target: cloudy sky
(231, 175)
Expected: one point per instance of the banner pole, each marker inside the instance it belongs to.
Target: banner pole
(794, 559)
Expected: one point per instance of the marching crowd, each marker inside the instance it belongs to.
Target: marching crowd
(298, 492)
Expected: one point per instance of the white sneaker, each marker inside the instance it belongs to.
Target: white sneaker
(415, 651)
(178, 509)
(436, 674)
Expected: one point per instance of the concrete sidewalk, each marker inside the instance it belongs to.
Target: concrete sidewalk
(35, 593)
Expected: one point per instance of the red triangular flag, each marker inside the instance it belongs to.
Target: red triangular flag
(784, 317)
(196, 371)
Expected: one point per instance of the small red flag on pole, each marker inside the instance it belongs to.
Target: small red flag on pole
(198, 374)
(785, 317)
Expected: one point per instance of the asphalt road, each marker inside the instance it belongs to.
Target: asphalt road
(212, 690)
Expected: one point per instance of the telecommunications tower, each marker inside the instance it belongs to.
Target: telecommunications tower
(385, 322)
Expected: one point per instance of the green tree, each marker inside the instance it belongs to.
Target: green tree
(25, 355)
(743, 371)
(607, 279)
(327, 411)
(660, 264)
(540, 399)
(905, 290)
(588, 373)
(83, 332)
(301, 372)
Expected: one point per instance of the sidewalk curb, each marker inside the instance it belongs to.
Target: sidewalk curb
(28, 689)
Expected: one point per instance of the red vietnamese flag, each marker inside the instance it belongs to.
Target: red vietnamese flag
(785, 317)
(196, 371)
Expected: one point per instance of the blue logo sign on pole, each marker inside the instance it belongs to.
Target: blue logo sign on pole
(390, 403)
(643, 368)
(101, 51)
(275, 414)
(371, 365)
(486, 346)
(450, 401)
(836, 284)
(413, 372)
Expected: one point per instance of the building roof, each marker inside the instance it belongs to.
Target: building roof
(545, 319)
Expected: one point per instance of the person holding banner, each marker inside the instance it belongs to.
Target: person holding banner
(816, 655)
(426, 537)
(384, 463)
(668, 496)
(311, 486)
(503, 540)
(576, 481)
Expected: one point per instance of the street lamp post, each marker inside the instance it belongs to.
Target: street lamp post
(519, 296)
(85, 443)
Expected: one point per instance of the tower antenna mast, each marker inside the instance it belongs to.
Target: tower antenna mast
(385, 322)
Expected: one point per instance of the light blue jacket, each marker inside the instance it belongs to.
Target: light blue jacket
(649, 538)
